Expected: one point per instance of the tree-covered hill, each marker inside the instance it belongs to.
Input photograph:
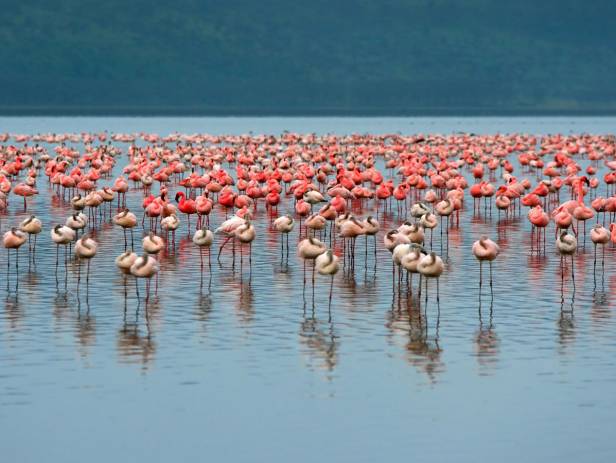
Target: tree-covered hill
(317, 56)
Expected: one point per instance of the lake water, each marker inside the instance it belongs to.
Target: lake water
(245, 367)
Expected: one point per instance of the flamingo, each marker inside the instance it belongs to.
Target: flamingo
(327, 264)
(246, 234)
(484, 249)
(85, 248)
(397, 255)
(146, 267)
(410, 260)
(77, 221)
(351, 229)
(204, 206)
(566, 245)
(540, 220)
(370, 227)
(32, 226)
(13, 239)
(126, 219)
(125, 261)
(429, 221)
(599, 235)
(284, 225)
(26, 191)
(170, 224)
(152, 244)
(315, 222)
(204, 239)
(419, 210)
(228, 228)
(153, 210)
(120, 186)
(431, 266)
(309, 249)
(78, 202)
(62, 235)
(444, 208)
(186, 206)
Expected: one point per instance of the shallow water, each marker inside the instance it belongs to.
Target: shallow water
(245, 367)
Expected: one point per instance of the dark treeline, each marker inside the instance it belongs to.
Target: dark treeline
(312, 57)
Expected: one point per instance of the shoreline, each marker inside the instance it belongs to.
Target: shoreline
(177, 111)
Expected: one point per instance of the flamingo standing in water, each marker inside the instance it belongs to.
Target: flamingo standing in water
(13, 239)
(284, 225)
(246, 234)
(351, 229)
(126, 219)
(152, 244)
(85, 248)
(204, 206)
(539, 219)
(77, 221)
(62, 235)
(26, 191)
(599, 235)
(309, 249)
(146, 267)
(32, 226)
(581, 211)
(393, 238)
(410, 260)
(566, 245)
(204, 239)
(418, 210)
(302, 208)
(125, 261)
(562, 219)
(228, 228)
(327, 264)
(431, 266)
(370, 227)
(170, 224)
(120, 186)
(78, 202)
(153, 210)
(397, 255)
(444, 208)
(316, 222)
(484, 249)
(186, 206)
(429, 221)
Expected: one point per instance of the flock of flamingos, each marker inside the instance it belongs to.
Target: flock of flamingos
(319, 183)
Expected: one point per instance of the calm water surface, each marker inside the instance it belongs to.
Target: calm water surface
(244, 367)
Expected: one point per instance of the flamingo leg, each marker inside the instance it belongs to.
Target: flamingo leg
(491, 287)
(331, 290)
(480, 276)
(222, 246)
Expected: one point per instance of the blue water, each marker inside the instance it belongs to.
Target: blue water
(245, 368)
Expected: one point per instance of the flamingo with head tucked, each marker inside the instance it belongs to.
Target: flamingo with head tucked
(13, 239)
(327, 264)
(32, 226)
(484, 249)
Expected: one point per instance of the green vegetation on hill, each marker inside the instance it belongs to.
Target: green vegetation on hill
(277, 56)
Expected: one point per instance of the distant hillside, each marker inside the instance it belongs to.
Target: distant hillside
(275, 56)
